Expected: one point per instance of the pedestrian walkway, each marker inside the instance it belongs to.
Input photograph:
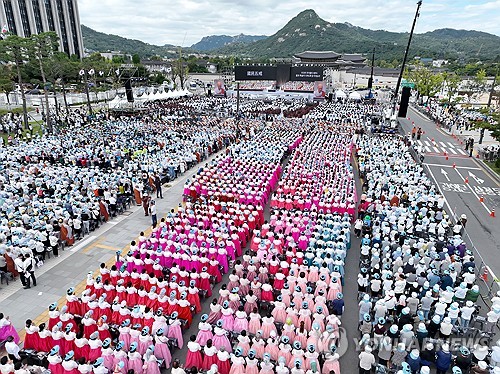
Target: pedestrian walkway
(430, 146)
(72, 267)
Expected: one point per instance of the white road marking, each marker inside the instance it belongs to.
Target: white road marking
(436, 149)
(442, 144)
(474, 192)
(451, 144)
(462, 151)
(453, 151)
(450, 166)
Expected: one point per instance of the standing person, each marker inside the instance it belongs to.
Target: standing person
(443, 359)
(30, 265)
(413, 132)
(19, 262)
(12, 349)
(152, 210)
(419, 133)
(145, 203)
(366, 360)
(157, 181)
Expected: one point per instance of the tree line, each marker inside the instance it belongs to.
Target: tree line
(36, 63)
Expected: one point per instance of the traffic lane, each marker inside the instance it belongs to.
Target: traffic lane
(429, 128)
(468, 180)
(483, 229)
(417, 119)
(462, 197)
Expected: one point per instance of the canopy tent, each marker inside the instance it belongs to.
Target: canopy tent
(354, 96)
(339, 94)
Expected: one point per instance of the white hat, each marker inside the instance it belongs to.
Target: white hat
(425, 370)
(482, 365)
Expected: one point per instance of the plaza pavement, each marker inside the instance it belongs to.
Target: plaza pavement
(74, 263)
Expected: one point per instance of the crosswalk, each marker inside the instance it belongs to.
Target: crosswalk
(437, 147)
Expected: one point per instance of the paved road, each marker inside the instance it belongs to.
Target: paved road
(464, 182)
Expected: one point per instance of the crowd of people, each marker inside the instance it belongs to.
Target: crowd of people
(417, 280)
(298, 86)
(257, 85)
(281, 274)
(280, 310)
(56, 189)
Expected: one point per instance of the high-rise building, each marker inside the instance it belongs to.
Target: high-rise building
(27, 17)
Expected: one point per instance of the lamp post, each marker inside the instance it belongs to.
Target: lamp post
(84, 73)
(398, 84)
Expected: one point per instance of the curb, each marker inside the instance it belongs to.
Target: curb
(491, 173)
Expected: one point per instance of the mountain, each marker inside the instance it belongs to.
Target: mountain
(209, 43)
(100, 42)
(307, 31)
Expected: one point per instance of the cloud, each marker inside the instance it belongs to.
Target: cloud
(184, 22)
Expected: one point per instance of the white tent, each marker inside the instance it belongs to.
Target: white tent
(339, 94)
(157, 96)
(117, 102)
(354, 96)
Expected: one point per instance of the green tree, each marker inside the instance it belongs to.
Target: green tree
(62, 69)
(451, 81)
(15, 50)
(427, 83)
(136, 59)
(6, 82)
(491, 123)
(43, 47)
(157, 78)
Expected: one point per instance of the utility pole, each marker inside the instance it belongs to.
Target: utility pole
(417, 13)
(492, 90)
(89, 106)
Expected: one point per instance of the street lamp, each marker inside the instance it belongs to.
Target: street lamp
(84, 73)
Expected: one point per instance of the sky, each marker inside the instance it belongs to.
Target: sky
(185, 22)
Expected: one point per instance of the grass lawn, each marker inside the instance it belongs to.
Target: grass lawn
(493, 166)
(36, 131)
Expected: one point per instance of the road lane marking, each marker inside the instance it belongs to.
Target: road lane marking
(474, 192)
(453, 151)
(450, 166)
(451, 144)
(462, 151)
(450, 211)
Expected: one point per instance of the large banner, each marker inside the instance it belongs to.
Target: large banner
(255, 73)
(319, 90)
(219, 88)
(306, 73)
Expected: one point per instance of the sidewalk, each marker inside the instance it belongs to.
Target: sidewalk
(72, 267)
